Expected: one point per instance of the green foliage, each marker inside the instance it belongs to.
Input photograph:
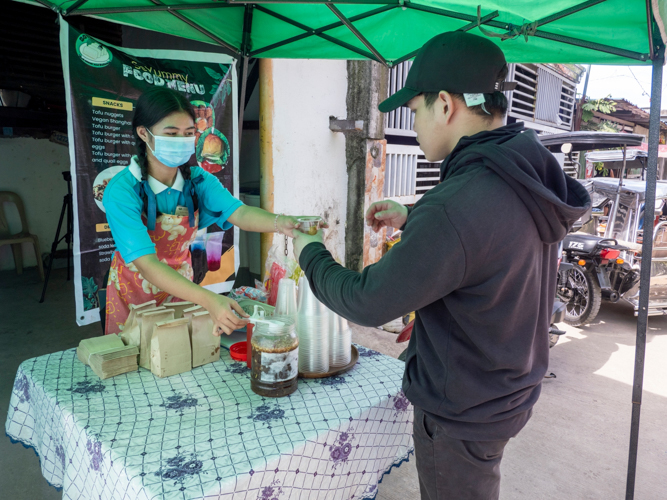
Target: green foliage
(599, 167)
(607, 126)
(602, 105)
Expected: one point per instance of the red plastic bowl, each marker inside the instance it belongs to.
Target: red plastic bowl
(239, 351)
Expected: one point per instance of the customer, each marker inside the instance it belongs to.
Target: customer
(477, 262)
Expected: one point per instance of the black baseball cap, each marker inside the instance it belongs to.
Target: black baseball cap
(455, 61)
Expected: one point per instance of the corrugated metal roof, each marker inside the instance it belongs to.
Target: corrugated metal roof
(616, 155)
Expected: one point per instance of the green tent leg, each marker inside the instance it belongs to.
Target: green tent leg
(644, 284)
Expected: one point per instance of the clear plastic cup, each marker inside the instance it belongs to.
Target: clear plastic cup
(340, 341)
(313, 324)
(214, 250)
(286, 301)
(310, 225)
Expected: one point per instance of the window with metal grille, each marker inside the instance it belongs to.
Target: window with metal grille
(401, 120)
(408, 175)
(523, 99)
(544, 99)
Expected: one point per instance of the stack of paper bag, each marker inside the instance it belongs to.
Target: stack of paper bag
(170, 351)
(178, 307)
(115, 361)
(97, 344)
(205, 345)
(131, 333)
(107, 355)
(147, 321)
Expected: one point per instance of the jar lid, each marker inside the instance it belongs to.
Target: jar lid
(239, 351)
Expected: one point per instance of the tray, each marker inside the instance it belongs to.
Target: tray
(336, 371)
(248, 305)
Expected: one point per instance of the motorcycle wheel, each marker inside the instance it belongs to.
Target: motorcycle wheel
(584, 303)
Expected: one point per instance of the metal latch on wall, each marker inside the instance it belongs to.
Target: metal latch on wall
(345, 126)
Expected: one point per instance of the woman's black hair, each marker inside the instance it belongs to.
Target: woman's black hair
(153, 106)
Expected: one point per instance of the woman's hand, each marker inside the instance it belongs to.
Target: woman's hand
(386, 214)
(287, 224)
(222, 309)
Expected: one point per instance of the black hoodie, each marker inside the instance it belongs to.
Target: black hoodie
(477, 262)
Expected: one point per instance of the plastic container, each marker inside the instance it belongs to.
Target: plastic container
(286, 302)
(313, 325)
(310, 225)
(340, 341)
(275, 357)
(198, 253)
(214, 250)
(239, 351)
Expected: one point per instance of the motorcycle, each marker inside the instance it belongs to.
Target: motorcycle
(559, 308)
(603, 250)
(595, 270)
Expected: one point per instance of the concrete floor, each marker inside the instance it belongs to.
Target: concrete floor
(575, 447)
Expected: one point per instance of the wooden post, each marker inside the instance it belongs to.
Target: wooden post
(376, 155)
(266, 149)
(366, 153)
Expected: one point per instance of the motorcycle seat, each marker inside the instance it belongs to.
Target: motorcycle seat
(581, 242)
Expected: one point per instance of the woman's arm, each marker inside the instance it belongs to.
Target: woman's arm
(260, 221)
(167, 279)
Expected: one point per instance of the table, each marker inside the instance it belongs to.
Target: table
(205, 435)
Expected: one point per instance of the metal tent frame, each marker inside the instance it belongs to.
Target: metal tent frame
(510, 31)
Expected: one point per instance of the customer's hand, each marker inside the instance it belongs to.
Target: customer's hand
(386, 214)
(301, 240)
(222, 309)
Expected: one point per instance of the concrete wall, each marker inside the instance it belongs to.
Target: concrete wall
(32, 169)
(309, 164)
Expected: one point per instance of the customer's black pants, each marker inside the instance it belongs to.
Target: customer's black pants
(451, 469)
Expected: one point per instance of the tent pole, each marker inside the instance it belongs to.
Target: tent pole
(245, 49)
(244, 82)
(644, 284)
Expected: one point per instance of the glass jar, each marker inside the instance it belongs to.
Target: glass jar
(275, 357)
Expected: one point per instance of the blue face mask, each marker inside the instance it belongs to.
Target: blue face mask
(172, 151)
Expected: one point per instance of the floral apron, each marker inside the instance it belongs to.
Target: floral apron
(172, 237)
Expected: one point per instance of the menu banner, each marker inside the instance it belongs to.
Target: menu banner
(103, 84)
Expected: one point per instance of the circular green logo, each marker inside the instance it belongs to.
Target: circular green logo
(92, 52)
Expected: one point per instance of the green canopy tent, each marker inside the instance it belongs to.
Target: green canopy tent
(625, 32)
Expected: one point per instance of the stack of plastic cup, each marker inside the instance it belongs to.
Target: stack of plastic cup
(340, 341)
(312, 325)
(286, 301)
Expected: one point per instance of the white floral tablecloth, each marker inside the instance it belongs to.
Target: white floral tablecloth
(205, 435)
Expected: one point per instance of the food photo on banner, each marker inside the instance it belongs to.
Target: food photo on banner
(103, 84)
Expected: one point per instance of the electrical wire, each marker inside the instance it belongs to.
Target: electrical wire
(639, 83)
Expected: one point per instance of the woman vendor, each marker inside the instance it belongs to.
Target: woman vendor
(155, 207)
